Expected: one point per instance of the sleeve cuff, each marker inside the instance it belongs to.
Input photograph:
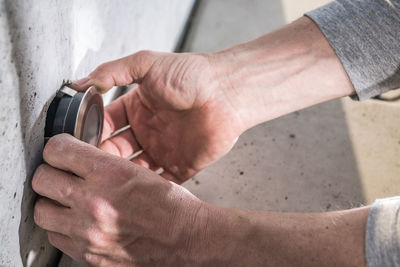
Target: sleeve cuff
(365, 37)
(382, 242)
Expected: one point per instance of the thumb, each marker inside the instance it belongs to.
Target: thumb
(123, 71)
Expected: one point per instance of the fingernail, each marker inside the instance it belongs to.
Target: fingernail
(82, 81)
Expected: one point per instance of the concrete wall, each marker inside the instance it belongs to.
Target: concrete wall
(42, 43)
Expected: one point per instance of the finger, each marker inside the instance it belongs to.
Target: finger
(67, 153)
(81, 84)
(124, 144)
(52, 217)
(144, 160)
(169, 176)
(115, 117)
(64, 243)
(123, 71)
(55, 184)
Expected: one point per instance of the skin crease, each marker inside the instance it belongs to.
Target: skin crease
(186, 112)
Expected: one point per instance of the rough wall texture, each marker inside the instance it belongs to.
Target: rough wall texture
(42, 43)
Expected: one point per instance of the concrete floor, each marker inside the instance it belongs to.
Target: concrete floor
(337, 155)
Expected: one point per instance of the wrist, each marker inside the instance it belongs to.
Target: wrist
(300, 239)
(219, 237)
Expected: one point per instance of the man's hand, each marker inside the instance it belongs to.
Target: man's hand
(180, 114)
(189, 108)
(103, 210)
(106, 211)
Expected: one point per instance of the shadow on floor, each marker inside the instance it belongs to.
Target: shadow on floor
(300, 162)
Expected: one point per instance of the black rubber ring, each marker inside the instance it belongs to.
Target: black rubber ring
(59, 120)
(70, 117)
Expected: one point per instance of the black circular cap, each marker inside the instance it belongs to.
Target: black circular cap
(76, 113)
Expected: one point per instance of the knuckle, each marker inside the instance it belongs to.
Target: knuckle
(38, 213)
(100, 69)
(56, 144)
(67, 190)
(38, 176)
(86, 256)
(90, 258)
(143, 55)
(95, 238)
(102, 212)
(100, 74)
(97, 208)
(90, 167)
(51, 145)
(48, 149)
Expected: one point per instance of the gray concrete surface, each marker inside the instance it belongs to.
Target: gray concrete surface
(42, 43)
(336, 155)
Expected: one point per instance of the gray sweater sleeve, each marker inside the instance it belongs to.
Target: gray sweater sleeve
(365, 34)
(382, 242)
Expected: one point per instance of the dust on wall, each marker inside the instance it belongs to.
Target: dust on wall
(41, 44)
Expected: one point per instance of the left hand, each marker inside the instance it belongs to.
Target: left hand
(181, 114)
(103, 210)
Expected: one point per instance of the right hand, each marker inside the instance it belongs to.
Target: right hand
(180, 113)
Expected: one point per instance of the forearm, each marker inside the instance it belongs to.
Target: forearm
(247, 238)
(281, 72)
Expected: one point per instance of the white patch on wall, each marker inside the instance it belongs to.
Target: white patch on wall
(88, 31)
